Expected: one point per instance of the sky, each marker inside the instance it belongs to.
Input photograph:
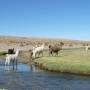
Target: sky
(69, 19)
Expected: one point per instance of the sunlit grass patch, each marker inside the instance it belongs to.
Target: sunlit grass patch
(73, 61)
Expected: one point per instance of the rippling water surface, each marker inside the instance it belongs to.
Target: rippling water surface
(27, 78)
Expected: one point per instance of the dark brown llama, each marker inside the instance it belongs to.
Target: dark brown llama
(54, 49)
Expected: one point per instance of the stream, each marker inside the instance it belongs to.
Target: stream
(27, 77)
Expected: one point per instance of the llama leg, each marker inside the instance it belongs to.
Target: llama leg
(51, 53)
(56, 53)
(6, 62)
(16, 63)
(34, 55)
(42, 53)
(38, 54)
(13, 63)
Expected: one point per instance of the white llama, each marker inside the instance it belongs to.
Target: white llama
(11, 57)
(87, 48)
(38, 50)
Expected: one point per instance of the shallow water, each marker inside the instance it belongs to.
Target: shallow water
(27, 78)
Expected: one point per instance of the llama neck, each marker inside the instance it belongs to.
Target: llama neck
(17, 52)
(42, 46)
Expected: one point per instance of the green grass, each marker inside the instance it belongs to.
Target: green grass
(3, 53)
(72, 61)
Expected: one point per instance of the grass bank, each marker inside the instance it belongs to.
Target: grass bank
(75, 61)
(24, 57)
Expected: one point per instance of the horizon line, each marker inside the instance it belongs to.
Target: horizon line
(52, 38)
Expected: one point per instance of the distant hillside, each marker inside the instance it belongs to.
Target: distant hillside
(32, 40)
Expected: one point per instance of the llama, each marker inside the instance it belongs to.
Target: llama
(38, 50)
(11, 51)
(54, 49)
(31, 54)
(11, 57)
(87, 48)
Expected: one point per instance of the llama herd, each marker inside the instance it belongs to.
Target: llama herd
(34, 52)
(53, 49)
